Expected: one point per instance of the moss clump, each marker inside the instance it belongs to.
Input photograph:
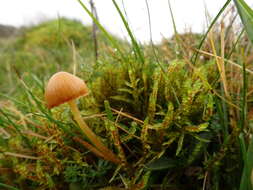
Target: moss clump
(168, 110)
(147, 91)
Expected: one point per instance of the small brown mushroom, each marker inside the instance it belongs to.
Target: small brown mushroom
(64, 87)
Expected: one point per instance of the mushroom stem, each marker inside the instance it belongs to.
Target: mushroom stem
(92, 136)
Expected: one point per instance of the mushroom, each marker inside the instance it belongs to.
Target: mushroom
(64, 87)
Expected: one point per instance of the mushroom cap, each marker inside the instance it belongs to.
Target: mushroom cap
(63, 87)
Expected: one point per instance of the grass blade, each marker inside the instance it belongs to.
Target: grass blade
(102, 29)
(246, 14)
(248, 166)
(8, 186)
(137, 49)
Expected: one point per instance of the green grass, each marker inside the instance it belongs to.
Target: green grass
(178, 118)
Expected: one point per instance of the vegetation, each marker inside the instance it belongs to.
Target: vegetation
(177, 114)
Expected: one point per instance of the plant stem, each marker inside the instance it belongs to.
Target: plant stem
(92, 136)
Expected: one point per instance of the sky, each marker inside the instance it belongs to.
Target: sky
(189, 14)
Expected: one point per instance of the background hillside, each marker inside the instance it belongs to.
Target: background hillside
(50, 46)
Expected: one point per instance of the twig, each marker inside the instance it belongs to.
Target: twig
(94, 29)
(204, 183)
(128, 116)
(228, 61)
(31, 133)
(21, 155)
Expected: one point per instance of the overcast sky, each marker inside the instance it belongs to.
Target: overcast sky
(187, 13)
